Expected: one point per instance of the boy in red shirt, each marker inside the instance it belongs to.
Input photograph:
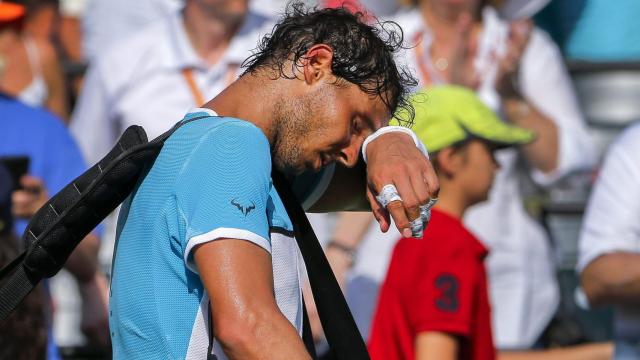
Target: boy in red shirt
(434, 302)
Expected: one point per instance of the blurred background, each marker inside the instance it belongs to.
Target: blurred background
(83, 70)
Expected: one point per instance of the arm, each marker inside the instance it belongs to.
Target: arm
(544, 101)
(600, 351)
(436, 345)
(609, 238)
(246, 320)
(613, 279)
(56, 101)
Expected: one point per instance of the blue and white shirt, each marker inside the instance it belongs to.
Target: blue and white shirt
(211, 180)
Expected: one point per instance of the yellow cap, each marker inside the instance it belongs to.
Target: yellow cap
(446, 115)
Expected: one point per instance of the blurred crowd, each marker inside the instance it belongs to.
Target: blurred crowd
(558, 229)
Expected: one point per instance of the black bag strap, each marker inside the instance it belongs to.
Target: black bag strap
(339, 326)
(68, 216)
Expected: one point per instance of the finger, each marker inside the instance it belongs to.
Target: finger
(32, 183)
(421, 188)
(431, 179)
(397, 211)
(407, 193)
(379, 213)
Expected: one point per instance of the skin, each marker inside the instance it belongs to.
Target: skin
(18, 73)
(335, 117)
(211, 24)
(612, 279)
(456, 29)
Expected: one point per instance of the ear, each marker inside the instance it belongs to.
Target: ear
(316, 63)
(449, 161)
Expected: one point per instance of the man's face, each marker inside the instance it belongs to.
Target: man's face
(326, 124)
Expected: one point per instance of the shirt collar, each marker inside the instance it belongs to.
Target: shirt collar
(182, 55)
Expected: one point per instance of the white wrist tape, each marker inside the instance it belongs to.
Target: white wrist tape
(388, 129)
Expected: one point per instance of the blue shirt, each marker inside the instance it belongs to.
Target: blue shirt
(53, 154)
(211, 180)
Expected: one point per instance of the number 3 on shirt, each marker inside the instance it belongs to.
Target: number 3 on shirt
(447, 286)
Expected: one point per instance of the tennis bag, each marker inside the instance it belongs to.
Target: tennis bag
(57, 228)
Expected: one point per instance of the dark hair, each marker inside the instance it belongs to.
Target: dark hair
(362, 54)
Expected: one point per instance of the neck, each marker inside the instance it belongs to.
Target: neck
(452, 202)
(209, 34)
(232, 101)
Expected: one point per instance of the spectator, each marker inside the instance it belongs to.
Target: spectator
(23, 336)
(169, 67)
(54, 160)
(31, 70)
(518, 72)
(609, 251)
(106, 23)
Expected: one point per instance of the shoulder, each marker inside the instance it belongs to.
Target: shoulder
(231, 130)
(446, 237)
(224, 140)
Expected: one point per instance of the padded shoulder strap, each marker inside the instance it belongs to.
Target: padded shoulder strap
(57, 228)
(339, 327)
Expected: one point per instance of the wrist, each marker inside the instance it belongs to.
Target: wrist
(392, 129)
(516, 108)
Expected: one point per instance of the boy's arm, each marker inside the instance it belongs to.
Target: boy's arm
(436, 345)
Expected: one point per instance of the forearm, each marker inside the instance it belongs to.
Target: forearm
(83, 261)
(542, 153)
(613, 279)
(266, 330)
(600, 351)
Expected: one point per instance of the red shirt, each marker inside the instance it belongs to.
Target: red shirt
(437, 283)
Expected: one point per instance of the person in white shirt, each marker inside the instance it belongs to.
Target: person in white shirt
(166, 69)
(609, 248)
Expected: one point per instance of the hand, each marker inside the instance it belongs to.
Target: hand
(509, 63)
(393, 158)
(28, 200)
(461, 70)
(95, 318)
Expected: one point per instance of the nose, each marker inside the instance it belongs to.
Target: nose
(349, 155)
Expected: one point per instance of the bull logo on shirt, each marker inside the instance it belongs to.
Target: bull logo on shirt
(244, 209)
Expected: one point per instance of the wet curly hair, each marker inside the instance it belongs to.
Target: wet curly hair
(363, 54)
